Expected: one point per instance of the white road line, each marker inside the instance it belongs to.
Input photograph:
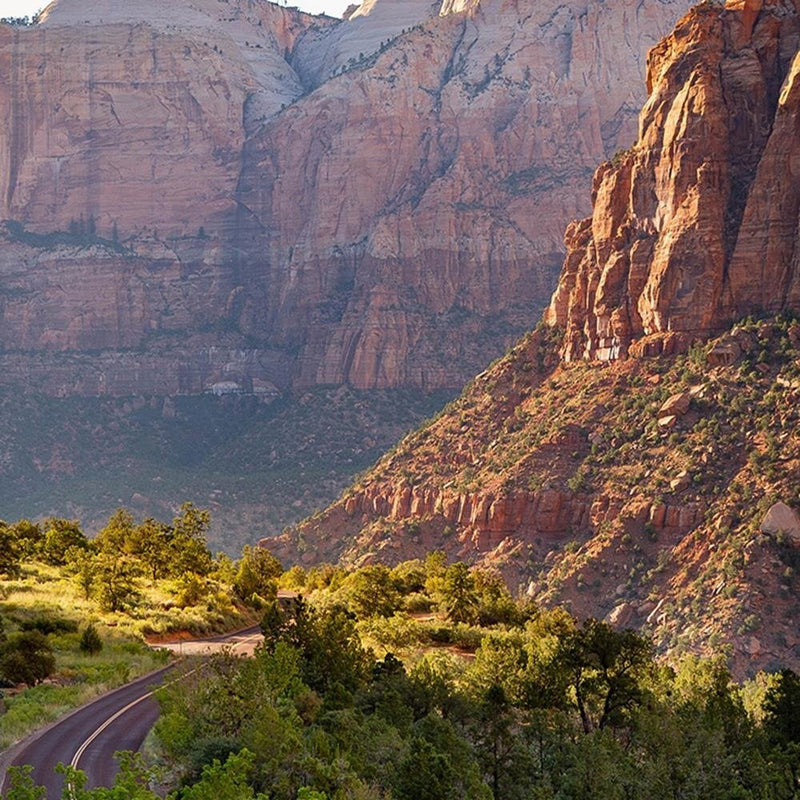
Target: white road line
(87, 742)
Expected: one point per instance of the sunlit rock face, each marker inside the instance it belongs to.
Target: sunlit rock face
(697, 225)
(376, 201)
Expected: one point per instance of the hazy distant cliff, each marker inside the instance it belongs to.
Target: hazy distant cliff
(394, 225)
(206, 198)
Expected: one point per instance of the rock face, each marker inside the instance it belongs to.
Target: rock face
(132, 114)
(410, 211)
(696, 225)
(562, 478)
(189, 180)
(636, 489)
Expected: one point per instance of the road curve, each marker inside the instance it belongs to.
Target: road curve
(61, 742)
(88, 737)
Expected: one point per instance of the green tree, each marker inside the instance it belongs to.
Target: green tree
(115, 581)
(116, 538)
(370, 591)
(425, 774)
(604, 669)
(91, 642)
(151, 542)
(130, 783)
(30, 537)
(10, 551)
(191, 589)
(457, 594)
(228, 781)
(27, 658)
(83, 565)
(21, 785)
(495, 603)
(327, 641)
(257, 574)
(61, 536)
(782, 708)
(188, 549)
(495, 736)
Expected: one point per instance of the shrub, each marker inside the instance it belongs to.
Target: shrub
(91, 642)
(48, 625)
(27, 658)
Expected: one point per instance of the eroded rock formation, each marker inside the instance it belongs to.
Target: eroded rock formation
(696, 225)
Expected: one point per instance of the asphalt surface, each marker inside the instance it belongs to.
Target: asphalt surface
(88, 737)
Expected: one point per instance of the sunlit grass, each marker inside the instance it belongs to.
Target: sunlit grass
(43, 591)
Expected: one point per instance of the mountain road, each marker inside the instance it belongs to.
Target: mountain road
(88, 737)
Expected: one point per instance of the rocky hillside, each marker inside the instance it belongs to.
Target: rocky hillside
(660, 490)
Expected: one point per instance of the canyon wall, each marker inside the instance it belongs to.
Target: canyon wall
(409, 213)
(696, 226)
(376, 201)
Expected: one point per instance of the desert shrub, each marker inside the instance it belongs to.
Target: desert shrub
(27, 658)
(47, 625)
(91, 642)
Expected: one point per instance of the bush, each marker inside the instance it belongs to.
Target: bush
(418, 603)
(27, 658)
(91, 642)
(48, 625)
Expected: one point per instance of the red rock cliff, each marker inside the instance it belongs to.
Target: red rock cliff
(696, 225)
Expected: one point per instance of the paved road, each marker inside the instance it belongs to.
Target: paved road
(89, 737)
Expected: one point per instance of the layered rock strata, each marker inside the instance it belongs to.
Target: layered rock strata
(697, 225)
(409, 213)
(185, 173)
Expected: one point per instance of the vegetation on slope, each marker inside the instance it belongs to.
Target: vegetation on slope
(74, 612)
(669, 504)
(259, 467)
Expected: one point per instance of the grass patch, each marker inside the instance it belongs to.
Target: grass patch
(46, 593)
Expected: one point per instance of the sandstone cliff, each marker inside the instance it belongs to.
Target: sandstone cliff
(408, 214)
(132, 113)
(644, 489)
(696, 225)
(195, 204)
(398, 224)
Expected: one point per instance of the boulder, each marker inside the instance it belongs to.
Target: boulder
(780, 519)
(680, 481)
(676, 405)
(723, 353)
(620, 615)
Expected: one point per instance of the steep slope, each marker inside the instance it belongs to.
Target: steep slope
(635, 490)
(322, 53)
(658, 491)
(132, 113)
(120, 150)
